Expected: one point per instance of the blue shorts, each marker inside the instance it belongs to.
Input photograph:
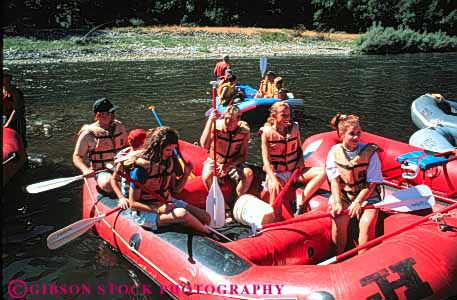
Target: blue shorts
(103, 172)
(372, 200)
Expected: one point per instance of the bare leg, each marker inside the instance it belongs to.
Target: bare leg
(184, 217)
(367, 226)
(313, 178)
(245, 183)
(339, 232)
(199, 213)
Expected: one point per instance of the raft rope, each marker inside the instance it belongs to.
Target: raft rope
(170, 279)
(439, 219)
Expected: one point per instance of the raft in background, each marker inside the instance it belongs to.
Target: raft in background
(14, 156)
(285, 256)
(437, 119)
(257, 107)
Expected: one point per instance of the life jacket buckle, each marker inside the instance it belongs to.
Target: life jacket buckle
(410, 170)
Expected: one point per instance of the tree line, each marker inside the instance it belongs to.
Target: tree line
(354, 16)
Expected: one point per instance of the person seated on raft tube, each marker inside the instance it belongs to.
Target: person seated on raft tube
(232, 143)
(222, 66)
(125, 160)
(224, 79)
(266, 86)
(282, 154)
(354, 171)
(13, 106)
(160, 176)
(278, 91)
(100, 141)
(228, 93)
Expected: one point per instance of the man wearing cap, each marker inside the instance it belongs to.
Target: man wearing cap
(266, 86)
(100, 141)
(13, 106)
(219, 69)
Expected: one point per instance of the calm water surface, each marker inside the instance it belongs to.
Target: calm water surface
(59, 99)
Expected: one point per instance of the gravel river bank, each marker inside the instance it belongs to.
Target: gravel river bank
(130, 44)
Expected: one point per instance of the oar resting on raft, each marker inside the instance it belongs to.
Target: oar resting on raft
(73, 231)
(407, 200)
(382, 238)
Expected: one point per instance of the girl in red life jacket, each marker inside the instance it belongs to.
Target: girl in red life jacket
(354, 170)
(160, 177)
(282, 154)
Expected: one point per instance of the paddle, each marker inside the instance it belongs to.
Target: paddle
(310, 149)
(75, 230)
(213, 93)
(181, 162)
(263, 65)
(215, 204)
(53, 183)
(375, 241)
(407, 200)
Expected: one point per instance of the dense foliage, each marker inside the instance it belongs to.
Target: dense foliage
(379, 40)
(333, 15)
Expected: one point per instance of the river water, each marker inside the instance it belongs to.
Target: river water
(59, 99)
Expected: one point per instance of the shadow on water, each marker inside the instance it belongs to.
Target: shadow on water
(59, 99)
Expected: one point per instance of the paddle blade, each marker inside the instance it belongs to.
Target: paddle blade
(411, 199)
(215, 205)
(51, 184)
(263, 65)
(71, 232)
(311, 148)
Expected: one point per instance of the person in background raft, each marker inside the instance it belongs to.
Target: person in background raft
(125, 160)
(266, 86)
(354, 171)
(227, 91)
(232, 142)
(100, 141)
(219, 69)
(13, 106)
(278, 91)
(161, 178)
(225, 78)
(282, 154)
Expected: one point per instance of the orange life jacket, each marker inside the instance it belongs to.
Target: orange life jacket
(228, 144)
(107, 143)
(283, 150)
(267, 88)
(159, 180)
(353, 173)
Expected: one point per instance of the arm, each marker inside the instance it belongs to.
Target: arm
(11, 117)
(178, 184)
(123, 201)
(81, 151)
(334, 177)
(206, 138)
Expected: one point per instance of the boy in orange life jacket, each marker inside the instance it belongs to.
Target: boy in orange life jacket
(282, 154)
(231, 150)
(125, 160)
(266, 86)
(100, 141)
(161, 178)
(355, 187)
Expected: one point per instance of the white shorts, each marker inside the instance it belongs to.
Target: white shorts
(284, 176)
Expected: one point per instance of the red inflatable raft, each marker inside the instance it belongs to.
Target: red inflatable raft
(14, 156)
(280, 262)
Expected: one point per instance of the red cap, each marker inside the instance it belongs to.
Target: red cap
(136, 137)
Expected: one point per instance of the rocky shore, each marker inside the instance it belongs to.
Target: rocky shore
(149, 44)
